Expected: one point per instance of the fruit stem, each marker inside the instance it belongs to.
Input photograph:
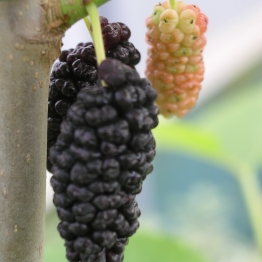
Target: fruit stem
(97, 32)
(88, 25)
(249, 184)
(172, 4)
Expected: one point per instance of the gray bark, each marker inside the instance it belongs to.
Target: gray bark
(29, 42)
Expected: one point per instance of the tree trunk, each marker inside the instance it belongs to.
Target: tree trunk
(29, 42)
(30, 39)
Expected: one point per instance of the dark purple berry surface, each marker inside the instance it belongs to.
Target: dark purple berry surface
(77, 69)
(103, 152)
(100, 145)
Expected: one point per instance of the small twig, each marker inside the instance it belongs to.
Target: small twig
(88, 25)
(251, 191)
(172, 4)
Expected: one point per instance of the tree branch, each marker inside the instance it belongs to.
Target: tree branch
(31, 33)
(29, 44)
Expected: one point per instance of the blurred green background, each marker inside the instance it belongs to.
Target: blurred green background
(141, 246)
(202, 203)
(193, 207)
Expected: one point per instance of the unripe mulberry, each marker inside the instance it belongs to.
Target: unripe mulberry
(175, 64)
(102, 154)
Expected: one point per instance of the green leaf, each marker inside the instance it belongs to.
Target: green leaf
(190, 139)
(157, 247)
(236, 120)
(227, 131)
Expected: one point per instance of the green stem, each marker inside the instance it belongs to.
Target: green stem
(97, 32)
(250, 187)
(172, 4)
(88, 25)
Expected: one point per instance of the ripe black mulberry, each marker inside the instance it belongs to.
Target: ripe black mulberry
(99, 160)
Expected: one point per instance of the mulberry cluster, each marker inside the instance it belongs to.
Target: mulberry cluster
(103, 153)
(115, 37)
(175, 63)
(77, 68)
